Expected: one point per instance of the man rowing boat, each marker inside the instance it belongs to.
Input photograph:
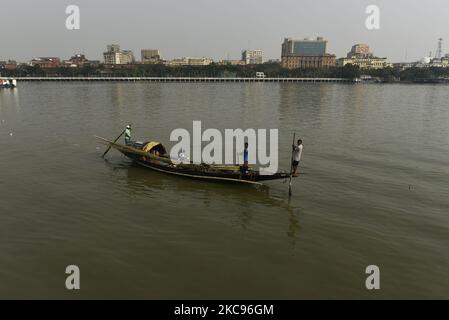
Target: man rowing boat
(128, 135)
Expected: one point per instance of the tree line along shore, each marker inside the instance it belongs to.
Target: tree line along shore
(270, 70)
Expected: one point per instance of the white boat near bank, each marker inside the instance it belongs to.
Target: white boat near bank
(8, 83)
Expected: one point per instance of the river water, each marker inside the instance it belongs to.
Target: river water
(375, 191)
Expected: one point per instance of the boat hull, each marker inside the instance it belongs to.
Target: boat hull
(202, 172)
(196, 175)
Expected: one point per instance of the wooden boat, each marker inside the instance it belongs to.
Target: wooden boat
(153, 155)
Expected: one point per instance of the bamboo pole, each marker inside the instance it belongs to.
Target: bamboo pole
(109, 148)
(291, 168)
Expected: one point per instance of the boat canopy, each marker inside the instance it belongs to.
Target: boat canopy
(154, 146)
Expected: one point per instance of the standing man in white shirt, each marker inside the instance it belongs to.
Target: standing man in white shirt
(297, 153)
(128, 135)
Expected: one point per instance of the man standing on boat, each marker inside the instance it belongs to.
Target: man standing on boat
(297, 153)
(245, 156)
(128, 134)
(244, 167)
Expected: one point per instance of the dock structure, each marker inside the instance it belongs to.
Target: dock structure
(182, 79)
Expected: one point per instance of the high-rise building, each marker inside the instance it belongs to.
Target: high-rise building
(439, 52)
(305, 47)
(114, 55)
(360, 51)
(127, 57)
(307, 53)
(361, 56)
(150, 56)
(113, 48)
(252, 56)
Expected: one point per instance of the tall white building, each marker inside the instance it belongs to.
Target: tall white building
(114, 55)
(252, 56)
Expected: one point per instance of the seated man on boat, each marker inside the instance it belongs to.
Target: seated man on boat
(128, 135)
(154, 148)
(182, 157)
(155, 152)
(297, 153)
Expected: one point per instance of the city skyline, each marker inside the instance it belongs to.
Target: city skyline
(409, 30)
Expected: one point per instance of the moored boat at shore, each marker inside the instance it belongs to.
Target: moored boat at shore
(8, 83)
(439, 80)
(367, 79)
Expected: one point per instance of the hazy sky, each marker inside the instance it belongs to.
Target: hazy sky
(409, 28)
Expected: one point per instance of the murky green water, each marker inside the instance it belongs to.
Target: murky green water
(376, 191)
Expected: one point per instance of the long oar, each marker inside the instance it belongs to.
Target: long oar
(109, 148)
(291, 168)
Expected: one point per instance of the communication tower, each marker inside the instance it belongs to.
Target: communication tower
(439, 53)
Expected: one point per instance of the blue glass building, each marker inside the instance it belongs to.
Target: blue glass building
(306, 47)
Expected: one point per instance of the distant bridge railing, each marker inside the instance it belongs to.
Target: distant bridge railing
(182, 79)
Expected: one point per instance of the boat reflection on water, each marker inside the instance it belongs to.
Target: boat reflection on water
(139, 181)
(9, 97)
